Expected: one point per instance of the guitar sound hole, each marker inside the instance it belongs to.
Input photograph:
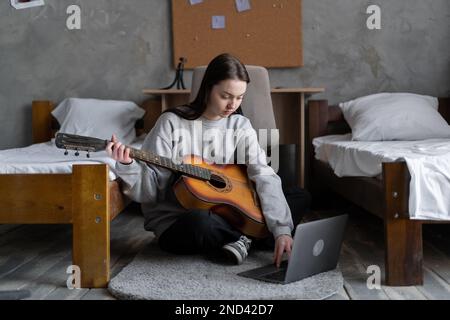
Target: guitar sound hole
(217, 181)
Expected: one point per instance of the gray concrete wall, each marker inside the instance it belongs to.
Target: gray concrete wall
(125, 46)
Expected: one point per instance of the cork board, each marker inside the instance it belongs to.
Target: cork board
(269, 34)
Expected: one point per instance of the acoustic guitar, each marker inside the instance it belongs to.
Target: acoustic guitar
(225, 189)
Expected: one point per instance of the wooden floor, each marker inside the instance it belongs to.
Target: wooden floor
(35, 258)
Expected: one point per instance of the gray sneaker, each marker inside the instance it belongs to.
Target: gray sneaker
(238, 250)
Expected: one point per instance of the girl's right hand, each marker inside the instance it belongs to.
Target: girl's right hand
(118, 151)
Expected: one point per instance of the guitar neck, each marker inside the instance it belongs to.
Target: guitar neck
(90, 144)
(186, 169)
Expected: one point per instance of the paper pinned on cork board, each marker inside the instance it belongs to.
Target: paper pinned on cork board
(218, 22)
(194, 2)
(243, 5)
(28, 4)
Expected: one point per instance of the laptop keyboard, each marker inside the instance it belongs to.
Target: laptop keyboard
(278, 276)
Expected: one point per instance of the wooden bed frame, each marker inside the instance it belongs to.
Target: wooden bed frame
(387, 198)
(86, 199)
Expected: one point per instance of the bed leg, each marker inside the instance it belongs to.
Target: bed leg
(404, 254)
(91, 224)
(403, 237)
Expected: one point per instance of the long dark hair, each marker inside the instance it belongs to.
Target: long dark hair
(222, 67)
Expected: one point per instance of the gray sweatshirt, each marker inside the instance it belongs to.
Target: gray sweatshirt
(216, 141)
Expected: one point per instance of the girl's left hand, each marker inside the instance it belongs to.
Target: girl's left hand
(282, 243)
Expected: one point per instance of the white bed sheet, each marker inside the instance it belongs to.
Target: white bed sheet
(47, 158)
(428, 162)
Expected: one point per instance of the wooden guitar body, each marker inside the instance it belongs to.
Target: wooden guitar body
(230, 194)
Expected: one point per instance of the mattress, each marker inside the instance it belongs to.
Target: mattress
(428, 162)
(47, 158)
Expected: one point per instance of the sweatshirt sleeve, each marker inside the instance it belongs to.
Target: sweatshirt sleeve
(268, 184)
(147, 183)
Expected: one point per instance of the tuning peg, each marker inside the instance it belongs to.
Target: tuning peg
(66, 152)
(88, 155)
(77, 153)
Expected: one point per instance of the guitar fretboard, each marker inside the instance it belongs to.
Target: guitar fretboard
(187, 169)
(90, 144)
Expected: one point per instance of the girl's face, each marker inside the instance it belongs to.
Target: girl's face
(225, 98)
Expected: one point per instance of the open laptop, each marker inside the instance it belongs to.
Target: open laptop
(316, 249)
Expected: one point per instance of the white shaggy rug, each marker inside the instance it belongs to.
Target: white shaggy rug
(158, 275)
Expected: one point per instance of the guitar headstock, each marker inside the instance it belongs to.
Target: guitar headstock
(79, 143)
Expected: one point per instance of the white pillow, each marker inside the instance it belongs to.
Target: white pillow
(395, 116)
(98, 118)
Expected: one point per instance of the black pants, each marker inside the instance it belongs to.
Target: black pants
(299, 201)
(201, 231)
(198, 231)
